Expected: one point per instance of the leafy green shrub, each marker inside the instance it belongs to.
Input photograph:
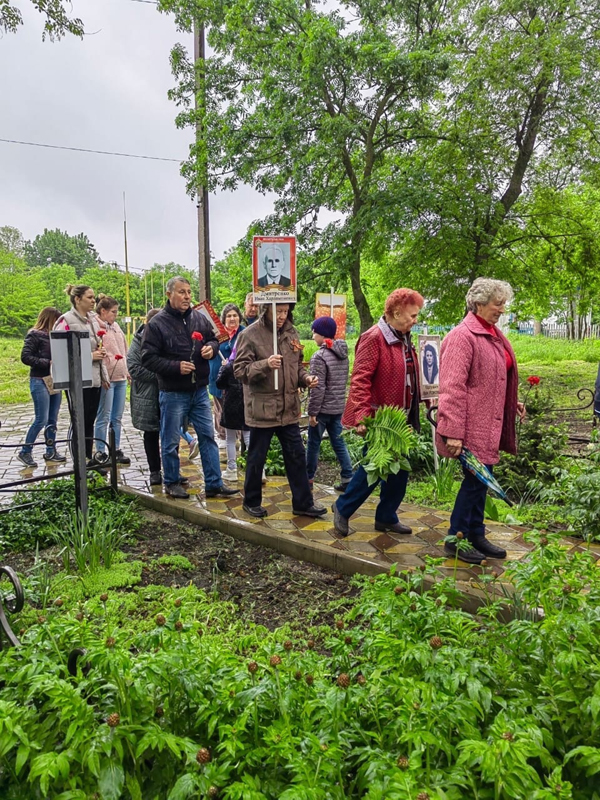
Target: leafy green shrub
(404, 697)
(52, 507)
(540, 448)
(274, 464)
(354, 443)
(91, 542)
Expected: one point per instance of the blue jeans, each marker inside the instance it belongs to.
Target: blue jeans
(358, 490)
(469, 507)
(112, 405)
(46, 407)
(195, 406)
(332, 423)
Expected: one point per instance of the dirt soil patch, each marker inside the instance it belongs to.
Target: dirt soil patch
(269, 589)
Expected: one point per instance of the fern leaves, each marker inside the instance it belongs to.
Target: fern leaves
(389, 439)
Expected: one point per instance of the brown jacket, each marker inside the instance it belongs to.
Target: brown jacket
(263, 406)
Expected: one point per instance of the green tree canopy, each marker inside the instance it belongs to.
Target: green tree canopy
(313, 105)
(22, 295)
(57, 21)
(11, 240)
(422, 127)
(58, 247)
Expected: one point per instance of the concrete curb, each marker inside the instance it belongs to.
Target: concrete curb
(311, 552)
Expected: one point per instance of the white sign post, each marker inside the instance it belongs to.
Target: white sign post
(275, 371)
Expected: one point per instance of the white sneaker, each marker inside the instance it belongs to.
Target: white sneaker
(193, 448)
(229, 474)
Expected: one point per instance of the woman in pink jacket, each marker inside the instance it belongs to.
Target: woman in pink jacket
(112, 398)
(477, 407)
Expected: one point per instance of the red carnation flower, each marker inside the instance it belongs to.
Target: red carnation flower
(197, 336)
(118, 357)
(101, 332)
(329, 343)
(533, 380)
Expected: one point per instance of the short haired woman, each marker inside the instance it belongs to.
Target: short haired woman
(269, 411)
(385, 373)
(36, 354)
(477, 407)
(81, 318)
(112, 398)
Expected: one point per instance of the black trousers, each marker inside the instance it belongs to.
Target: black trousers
(152, 448)
(294, 459)
(91, 401)
(469, 507)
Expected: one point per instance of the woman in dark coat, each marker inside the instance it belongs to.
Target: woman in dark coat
(232, 417)
(231, 317)
(36, 354)
(145, 410)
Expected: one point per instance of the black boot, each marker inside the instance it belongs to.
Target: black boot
(469, 555)
(486, 547)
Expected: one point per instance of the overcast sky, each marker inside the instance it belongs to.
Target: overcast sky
(105, 92)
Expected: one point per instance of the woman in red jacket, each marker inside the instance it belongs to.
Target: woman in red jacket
(477, 407)
(385, 374)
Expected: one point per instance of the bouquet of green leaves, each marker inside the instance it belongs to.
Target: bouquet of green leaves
(389, 440)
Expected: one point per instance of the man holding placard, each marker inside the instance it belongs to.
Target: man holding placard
(271, 378)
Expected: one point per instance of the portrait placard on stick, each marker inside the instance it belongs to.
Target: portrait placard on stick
(274, 269)
(429, 366)
(214, 320)
(333, 305)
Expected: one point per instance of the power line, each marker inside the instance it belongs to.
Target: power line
(98, 152)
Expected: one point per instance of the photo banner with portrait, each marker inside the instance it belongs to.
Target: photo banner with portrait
(213, 320)
(332, 305)
(274, 269)
(429, 366)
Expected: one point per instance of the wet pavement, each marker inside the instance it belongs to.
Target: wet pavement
(364, 543)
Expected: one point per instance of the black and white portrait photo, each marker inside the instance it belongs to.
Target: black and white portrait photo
(274, 269)
(429, 366)
(273, 266)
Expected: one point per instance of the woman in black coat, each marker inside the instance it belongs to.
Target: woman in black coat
(145, 410)
(36, 354)
(232, 417)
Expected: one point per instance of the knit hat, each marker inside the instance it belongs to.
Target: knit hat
(325, 326)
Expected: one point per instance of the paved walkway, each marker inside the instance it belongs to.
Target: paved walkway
(366, 544)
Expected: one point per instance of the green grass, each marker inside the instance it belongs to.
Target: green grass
(564, 366)
(542, 350)
(14, 384)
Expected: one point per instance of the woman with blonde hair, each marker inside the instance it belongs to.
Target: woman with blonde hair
(36, 354)
(80, 318)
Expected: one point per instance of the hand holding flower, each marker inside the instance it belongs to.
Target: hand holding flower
(118, 357)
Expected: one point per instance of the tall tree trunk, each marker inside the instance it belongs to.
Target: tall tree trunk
(360, 301)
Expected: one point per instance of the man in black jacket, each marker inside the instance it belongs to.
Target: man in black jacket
(177, 345)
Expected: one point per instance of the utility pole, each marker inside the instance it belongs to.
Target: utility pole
(127, 304)
(201, 189)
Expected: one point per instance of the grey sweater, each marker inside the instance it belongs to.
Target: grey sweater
(330, 365)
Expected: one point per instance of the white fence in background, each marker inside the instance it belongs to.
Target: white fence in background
(557, 330)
